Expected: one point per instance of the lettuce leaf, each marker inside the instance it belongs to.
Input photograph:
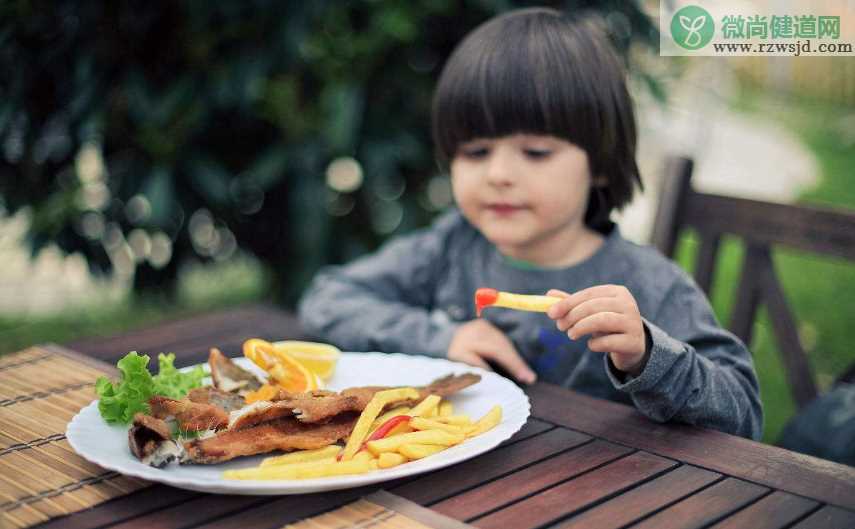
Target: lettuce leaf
(121, 401)
(172, 383)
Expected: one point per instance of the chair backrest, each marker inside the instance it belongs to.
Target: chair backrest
(761, 226)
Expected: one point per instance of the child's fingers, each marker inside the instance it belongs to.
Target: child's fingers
(614, 343)
(567, 304)
(513, 363)
(603, 322)
(589, 308)
(598, 291)
(473, 360)
(560, 308)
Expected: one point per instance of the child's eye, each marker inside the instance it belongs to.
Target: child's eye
(537, 154)
(474, 152)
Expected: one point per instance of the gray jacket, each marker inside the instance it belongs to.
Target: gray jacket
(413, 293)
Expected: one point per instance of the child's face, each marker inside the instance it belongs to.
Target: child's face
(527, 194)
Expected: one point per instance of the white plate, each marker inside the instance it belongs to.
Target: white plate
(107, 445)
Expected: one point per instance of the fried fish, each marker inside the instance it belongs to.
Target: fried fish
(230, 377)
(281, 434)
(221, 399)
(190, 416)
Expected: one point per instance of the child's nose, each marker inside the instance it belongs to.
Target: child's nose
(500, 170)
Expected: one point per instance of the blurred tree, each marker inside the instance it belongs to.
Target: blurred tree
(143, 135)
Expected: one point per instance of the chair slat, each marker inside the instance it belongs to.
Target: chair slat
(747, 295)
(673, 195)
(799, 372)
(828, 231)
(706, 261)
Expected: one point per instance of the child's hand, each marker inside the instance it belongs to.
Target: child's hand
(478, 341)
(610, 315)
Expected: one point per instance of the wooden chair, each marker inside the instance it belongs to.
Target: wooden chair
(761, 226)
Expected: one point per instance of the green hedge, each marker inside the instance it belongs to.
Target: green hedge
(145, 135)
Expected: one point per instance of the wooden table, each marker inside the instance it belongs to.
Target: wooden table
(579, 462)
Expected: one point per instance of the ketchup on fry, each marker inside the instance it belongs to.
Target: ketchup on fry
(484, 297)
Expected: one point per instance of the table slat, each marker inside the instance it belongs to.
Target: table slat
(453, 480)
(195, 511)
(774, 511)
(282, 510)
(643, 500)
(553, 504)
(531, 428)
(828, 517)
(707, 506)
(495, 494)
(752, 461)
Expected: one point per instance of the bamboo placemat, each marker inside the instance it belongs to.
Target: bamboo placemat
(380, 510)
(41, 477)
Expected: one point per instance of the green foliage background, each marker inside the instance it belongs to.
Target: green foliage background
(232, 110)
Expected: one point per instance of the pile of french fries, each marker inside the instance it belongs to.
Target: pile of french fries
(431, 428)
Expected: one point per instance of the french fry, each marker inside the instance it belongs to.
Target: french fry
(489, 297)
(425, 406)
(313, 469)
(419, 451)
(370, 414)
(302, 456)
(457, 420)
(446, 409)
(276, 471)
(363, 455)
(390, 459)
(401, 428)
(487, 422)
(420, 423)
(341, 468)
(429, 437)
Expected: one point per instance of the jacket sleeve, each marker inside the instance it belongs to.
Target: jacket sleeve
(382, 302)
(697, 372)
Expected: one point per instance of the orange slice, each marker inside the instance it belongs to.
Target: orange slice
(265, 392)
(288, 373)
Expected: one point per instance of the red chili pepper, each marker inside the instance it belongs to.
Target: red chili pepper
(382, 431)
(387, 427)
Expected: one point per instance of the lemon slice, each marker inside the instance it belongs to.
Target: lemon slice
(319, 358)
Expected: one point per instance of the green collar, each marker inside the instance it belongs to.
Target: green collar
(518, 263)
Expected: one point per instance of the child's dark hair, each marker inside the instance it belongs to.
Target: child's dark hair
(536, 71)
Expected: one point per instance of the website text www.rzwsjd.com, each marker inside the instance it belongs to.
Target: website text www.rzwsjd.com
(800, 47)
